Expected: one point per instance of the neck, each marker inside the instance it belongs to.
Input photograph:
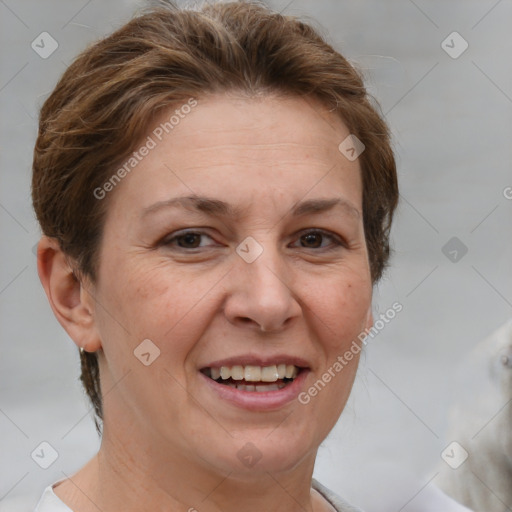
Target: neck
(130, 476)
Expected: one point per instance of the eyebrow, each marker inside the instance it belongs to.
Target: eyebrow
(216, 207)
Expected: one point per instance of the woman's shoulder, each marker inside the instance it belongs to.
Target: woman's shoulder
(50, 502)
(339, 504)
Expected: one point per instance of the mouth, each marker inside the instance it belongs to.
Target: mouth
(254, 382)
(253, 378)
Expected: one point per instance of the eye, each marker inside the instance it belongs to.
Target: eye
(313, 239)
(186, 240)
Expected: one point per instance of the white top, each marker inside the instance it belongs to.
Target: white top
(50, 502)
(433, 501)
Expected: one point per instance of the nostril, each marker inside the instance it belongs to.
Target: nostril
(506, 360)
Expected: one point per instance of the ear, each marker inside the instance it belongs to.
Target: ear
(72, 304)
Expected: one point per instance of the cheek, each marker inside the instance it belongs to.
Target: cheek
(342, 306)
(342, 318)
(150, 303)
(157, 302)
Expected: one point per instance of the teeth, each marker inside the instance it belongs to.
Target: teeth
(258, 388)
(251, 373)
(269, 374)
(237, 372)
(291, 371)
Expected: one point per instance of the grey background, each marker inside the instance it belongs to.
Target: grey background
(451, 122)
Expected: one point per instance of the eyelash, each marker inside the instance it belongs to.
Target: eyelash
(335, 239)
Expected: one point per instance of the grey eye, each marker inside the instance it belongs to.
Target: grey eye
(506, 360)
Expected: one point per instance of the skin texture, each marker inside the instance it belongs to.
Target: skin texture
(169, 442)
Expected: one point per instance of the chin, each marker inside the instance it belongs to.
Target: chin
(263, 451)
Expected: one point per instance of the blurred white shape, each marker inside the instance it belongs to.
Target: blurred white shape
(481, 421)
(397, 488)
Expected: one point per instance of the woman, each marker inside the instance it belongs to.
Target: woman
(215, 191)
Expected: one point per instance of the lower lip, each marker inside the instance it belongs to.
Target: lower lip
(259, 400)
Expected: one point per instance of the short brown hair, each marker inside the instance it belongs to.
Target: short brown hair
(103, 104)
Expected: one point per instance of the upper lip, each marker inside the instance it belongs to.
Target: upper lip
(256, 360)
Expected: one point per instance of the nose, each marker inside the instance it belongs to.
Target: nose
(261, 294)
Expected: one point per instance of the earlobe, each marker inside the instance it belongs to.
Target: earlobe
(66, 295)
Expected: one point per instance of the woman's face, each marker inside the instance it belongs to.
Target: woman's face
(237, 241)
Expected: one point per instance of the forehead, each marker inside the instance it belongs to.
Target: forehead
(233, 146)
(265, 124)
